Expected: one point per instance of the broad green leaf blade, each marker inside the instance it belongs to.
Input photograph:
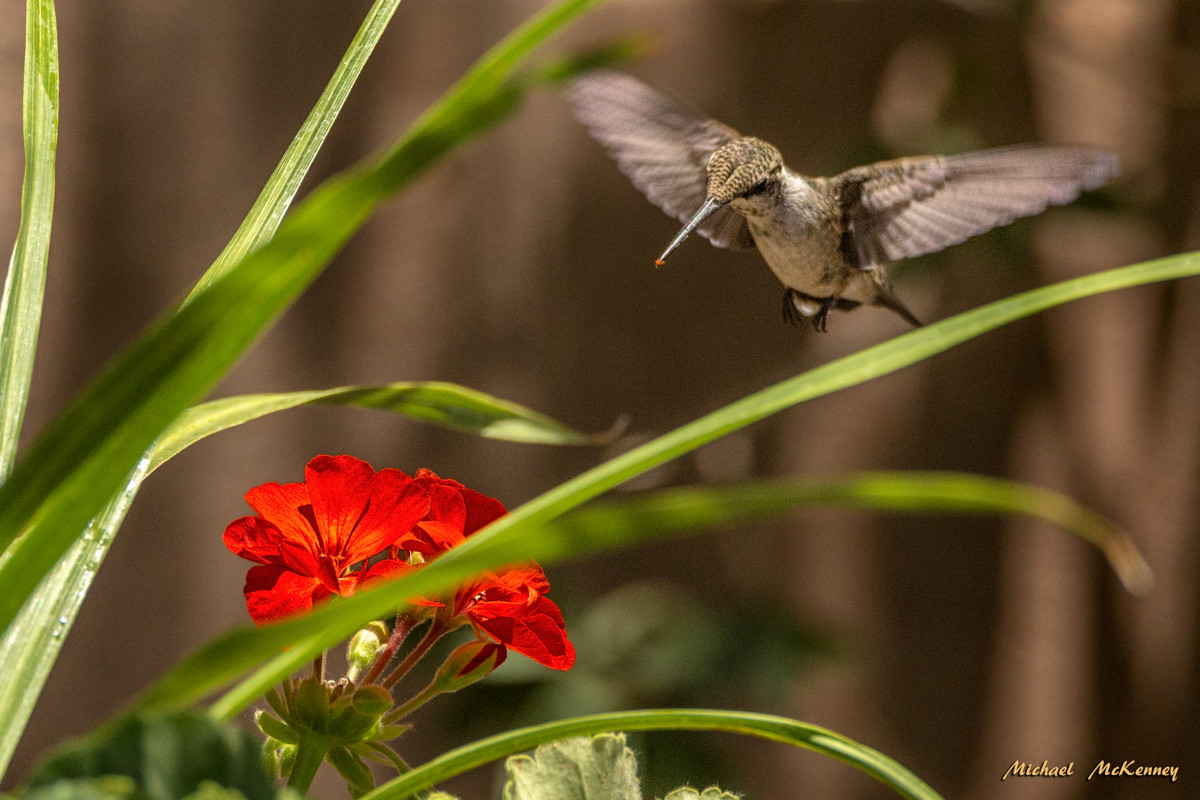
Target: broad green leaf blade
(21, 307)
(31, 644)
(515, 536)
(83, 458)
(780, 729)
(443, 404)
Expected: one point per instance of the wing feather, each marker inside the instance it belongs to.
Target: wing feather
(660, 145)
(912, 206)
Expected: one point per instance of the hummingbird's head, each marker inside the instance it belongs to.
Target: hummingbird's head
(738, 168)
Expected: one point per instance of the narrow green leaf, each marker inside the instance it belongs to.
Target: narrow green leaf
(267, 212)
(780, 729)
(83, 458)
(443, 404)
(21, 307)
(31, 644)
(672, 512)
(515, 537)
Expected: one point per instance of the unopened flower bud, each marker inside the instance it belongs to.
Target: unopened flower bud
(472, 662)
(364, 647)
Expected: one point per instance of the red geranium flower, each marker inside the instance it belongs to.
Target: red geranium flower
(510, 607)
(306, 536)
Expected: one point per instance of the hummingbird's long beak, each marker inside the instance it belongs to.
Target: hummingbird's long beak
(706, 211)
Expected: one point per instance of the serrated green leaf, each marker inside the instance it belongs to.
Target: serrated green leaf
(766, 726)
(597, 767)
(711, 793)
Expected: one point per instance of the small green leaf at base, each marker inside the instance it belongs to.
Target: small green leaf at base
(583, 768)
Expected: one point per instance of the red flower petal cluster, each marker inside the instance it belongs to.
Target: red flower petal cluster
(511, 606)
(308, 536)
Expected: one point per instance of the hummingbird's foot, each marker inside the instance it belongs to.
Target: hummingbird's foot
(794, 301)
(791, 313)
(820, 318)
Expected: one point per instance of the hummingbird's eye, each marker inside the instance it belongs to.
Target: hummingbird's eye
(757, 188)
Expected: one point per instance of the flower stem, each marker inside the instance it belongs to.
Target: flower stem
(436, 631)
(413, 703)
(404, 625)
(310, 752)
(319, 666)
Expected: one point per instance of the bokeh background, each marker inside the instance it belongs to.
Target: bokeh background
(522, 266)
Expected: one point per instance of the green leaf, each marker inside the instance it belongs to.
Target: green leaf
(31, 644)
(675, 511)
(21, 307)
(597, 767)
(358, 778)
(267, 212)
(85, 456)
(614, 524)
(780, 729)
(443, 404)
(168, 756)
(113, 787)
(522, 535)
(711, 793)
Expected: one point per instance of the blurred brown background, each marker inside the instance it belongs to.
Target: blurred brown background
(522, 266)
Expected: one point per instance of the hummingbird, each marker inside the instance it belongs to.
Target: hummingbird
(828, 240)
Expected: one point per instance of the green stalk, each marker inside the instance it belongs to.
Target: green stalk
(24, 287)
(780, 729)
(520, 535)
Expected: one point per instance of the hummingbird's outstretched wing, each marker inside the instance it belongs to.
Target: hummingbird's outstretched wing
(911, 206)
(660, 144)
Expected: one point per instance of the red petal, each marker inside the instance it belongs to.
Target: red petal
(339, 488)
(481, 510)
(528, 579)
(383, 571)
(275, 593)
(285, 505)
(430, 538)
(536, 630)
(446, 505)
(255, 539)
(397, 503)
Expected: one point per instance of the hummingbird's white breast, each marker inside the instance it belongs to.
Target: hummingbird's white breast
(797, 228)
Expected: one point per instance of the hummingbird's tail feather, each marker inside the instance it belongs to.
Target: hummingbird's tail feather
(887, 299)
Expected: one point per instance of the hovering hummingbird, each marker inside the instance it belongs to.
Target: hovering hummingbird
(828, 240)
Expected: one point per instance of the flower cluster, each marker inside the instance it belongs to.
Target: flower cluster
(347, 526)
